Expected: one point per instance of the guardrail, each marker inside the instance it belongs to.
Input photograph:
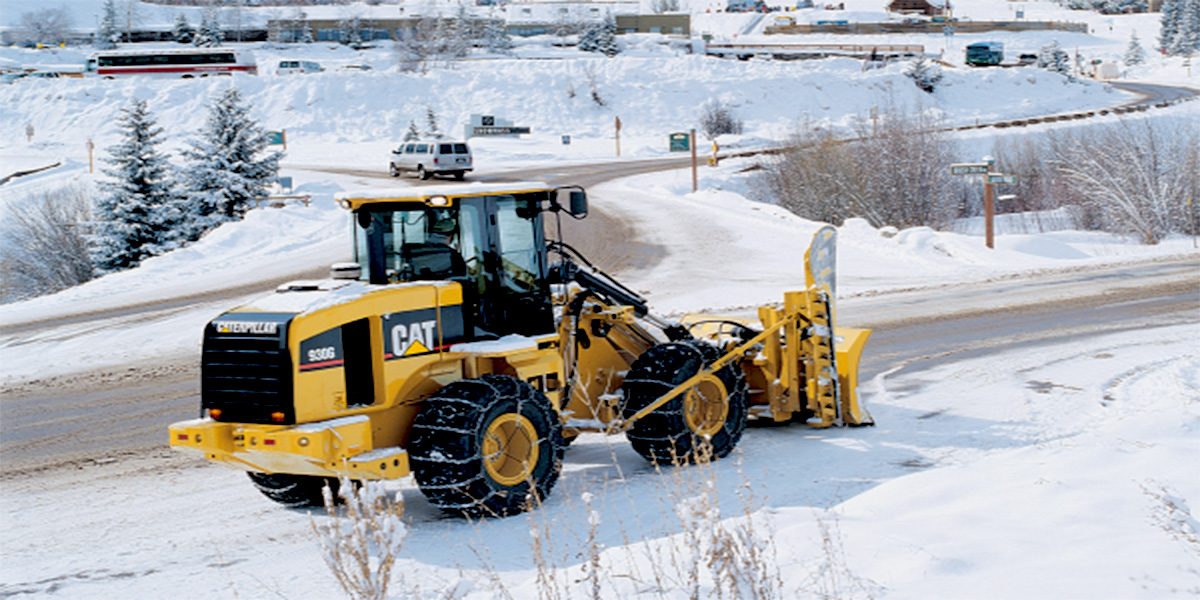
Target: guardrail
(746, 50)
(281, 201)
(925, 27)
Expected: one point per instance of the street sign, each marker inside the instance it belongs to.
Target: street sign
(484, 131)
(969, 169)
(275, 138)
(680, 142)
(994, 178)
(566, 139)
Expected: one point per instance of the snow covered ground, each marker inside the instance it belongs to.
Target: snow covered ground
(1063, 473)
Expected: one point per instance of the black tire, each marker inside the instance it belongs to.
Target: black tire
(422, 173)
(392, 170)
(459, 175)
(294, 491)
(669, 435)
(490, 446)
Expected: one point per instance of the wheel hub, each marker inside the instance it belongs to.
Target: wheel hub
(704, 406)
(510, 449)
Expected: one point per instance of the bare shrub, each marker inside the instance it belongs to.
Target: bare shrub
(1135, 176)
(43, 243)
(360, 545)
(48, 26)
(1041, 196)
(895, 171)
(717, 118)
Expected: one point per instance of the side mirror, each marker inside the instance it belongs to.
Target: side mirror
(573, 200)
(579, 206)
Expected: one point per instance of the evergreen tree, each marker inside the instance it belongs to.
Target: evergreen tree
(1169, 21)
(412, 134)
(138, 212)
(108, 35)
(601, 37)
(924, 74)
(1187, 38)
(589, 38)
(184, 32)
(229, 165)
(306, 32)
(497, 38)
(431, 125)
(210, 34)
(1054, 59)
(1134, 54)
(608, 37)
(351, 27)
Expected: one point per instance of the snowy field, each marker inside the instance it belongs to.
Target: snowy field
(1062, 473)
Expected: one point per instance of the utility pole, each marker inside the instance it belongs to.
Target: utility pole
(692, 143)
(989, 206)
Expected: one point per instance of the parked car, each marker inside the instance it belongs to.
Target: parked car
(11, 77)
(287, 67)
(354, 68)
(431, 158)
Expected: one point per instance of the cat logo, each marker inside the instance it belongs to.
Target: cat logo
(409, 339)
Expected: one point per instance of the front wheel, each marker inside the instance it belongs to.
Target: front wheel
(490, 446)
(704, 422)
(293, 491)
(392, 170)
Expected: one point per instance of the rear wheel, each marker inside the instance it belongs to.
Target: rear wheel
(704, 422)
(422, 173)
(293, 491)
(459, 175)
(486, 447)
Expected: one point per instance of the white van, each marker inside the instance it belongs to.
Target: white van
(432, 158)
(287, 67)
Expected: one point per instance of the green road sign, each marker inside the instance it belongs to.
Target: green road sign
(969, 169)
(1011, 179)
(680, 142)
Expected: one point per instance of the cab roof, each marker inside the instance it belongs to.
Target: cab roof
(422, 193)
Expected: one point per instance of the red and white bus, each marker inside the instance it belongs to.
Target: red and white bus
(194, 62)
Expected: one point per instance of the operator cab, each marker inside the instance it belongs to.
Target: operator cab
(492, 243)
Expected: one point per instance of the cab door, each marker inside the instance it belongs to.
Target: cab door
(515, 295)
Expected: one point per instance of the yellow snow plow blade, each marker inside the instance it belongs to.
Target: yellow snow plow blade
(799, 365)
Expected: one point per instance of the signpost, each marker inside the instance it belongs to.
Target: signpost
(91, 164)
(989, 202)
(277, 138)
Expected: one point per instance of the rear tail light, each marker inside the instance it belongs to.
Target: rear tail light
(277, 417)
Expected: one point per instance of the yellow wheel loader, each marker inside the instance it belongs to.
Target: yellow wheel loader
(464, 348)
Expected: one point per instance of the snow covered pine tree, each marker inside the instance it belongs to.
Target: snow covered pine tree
(229, 166)
(137, 214)
(108, 36)
(210, 34)
(1053, 58)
